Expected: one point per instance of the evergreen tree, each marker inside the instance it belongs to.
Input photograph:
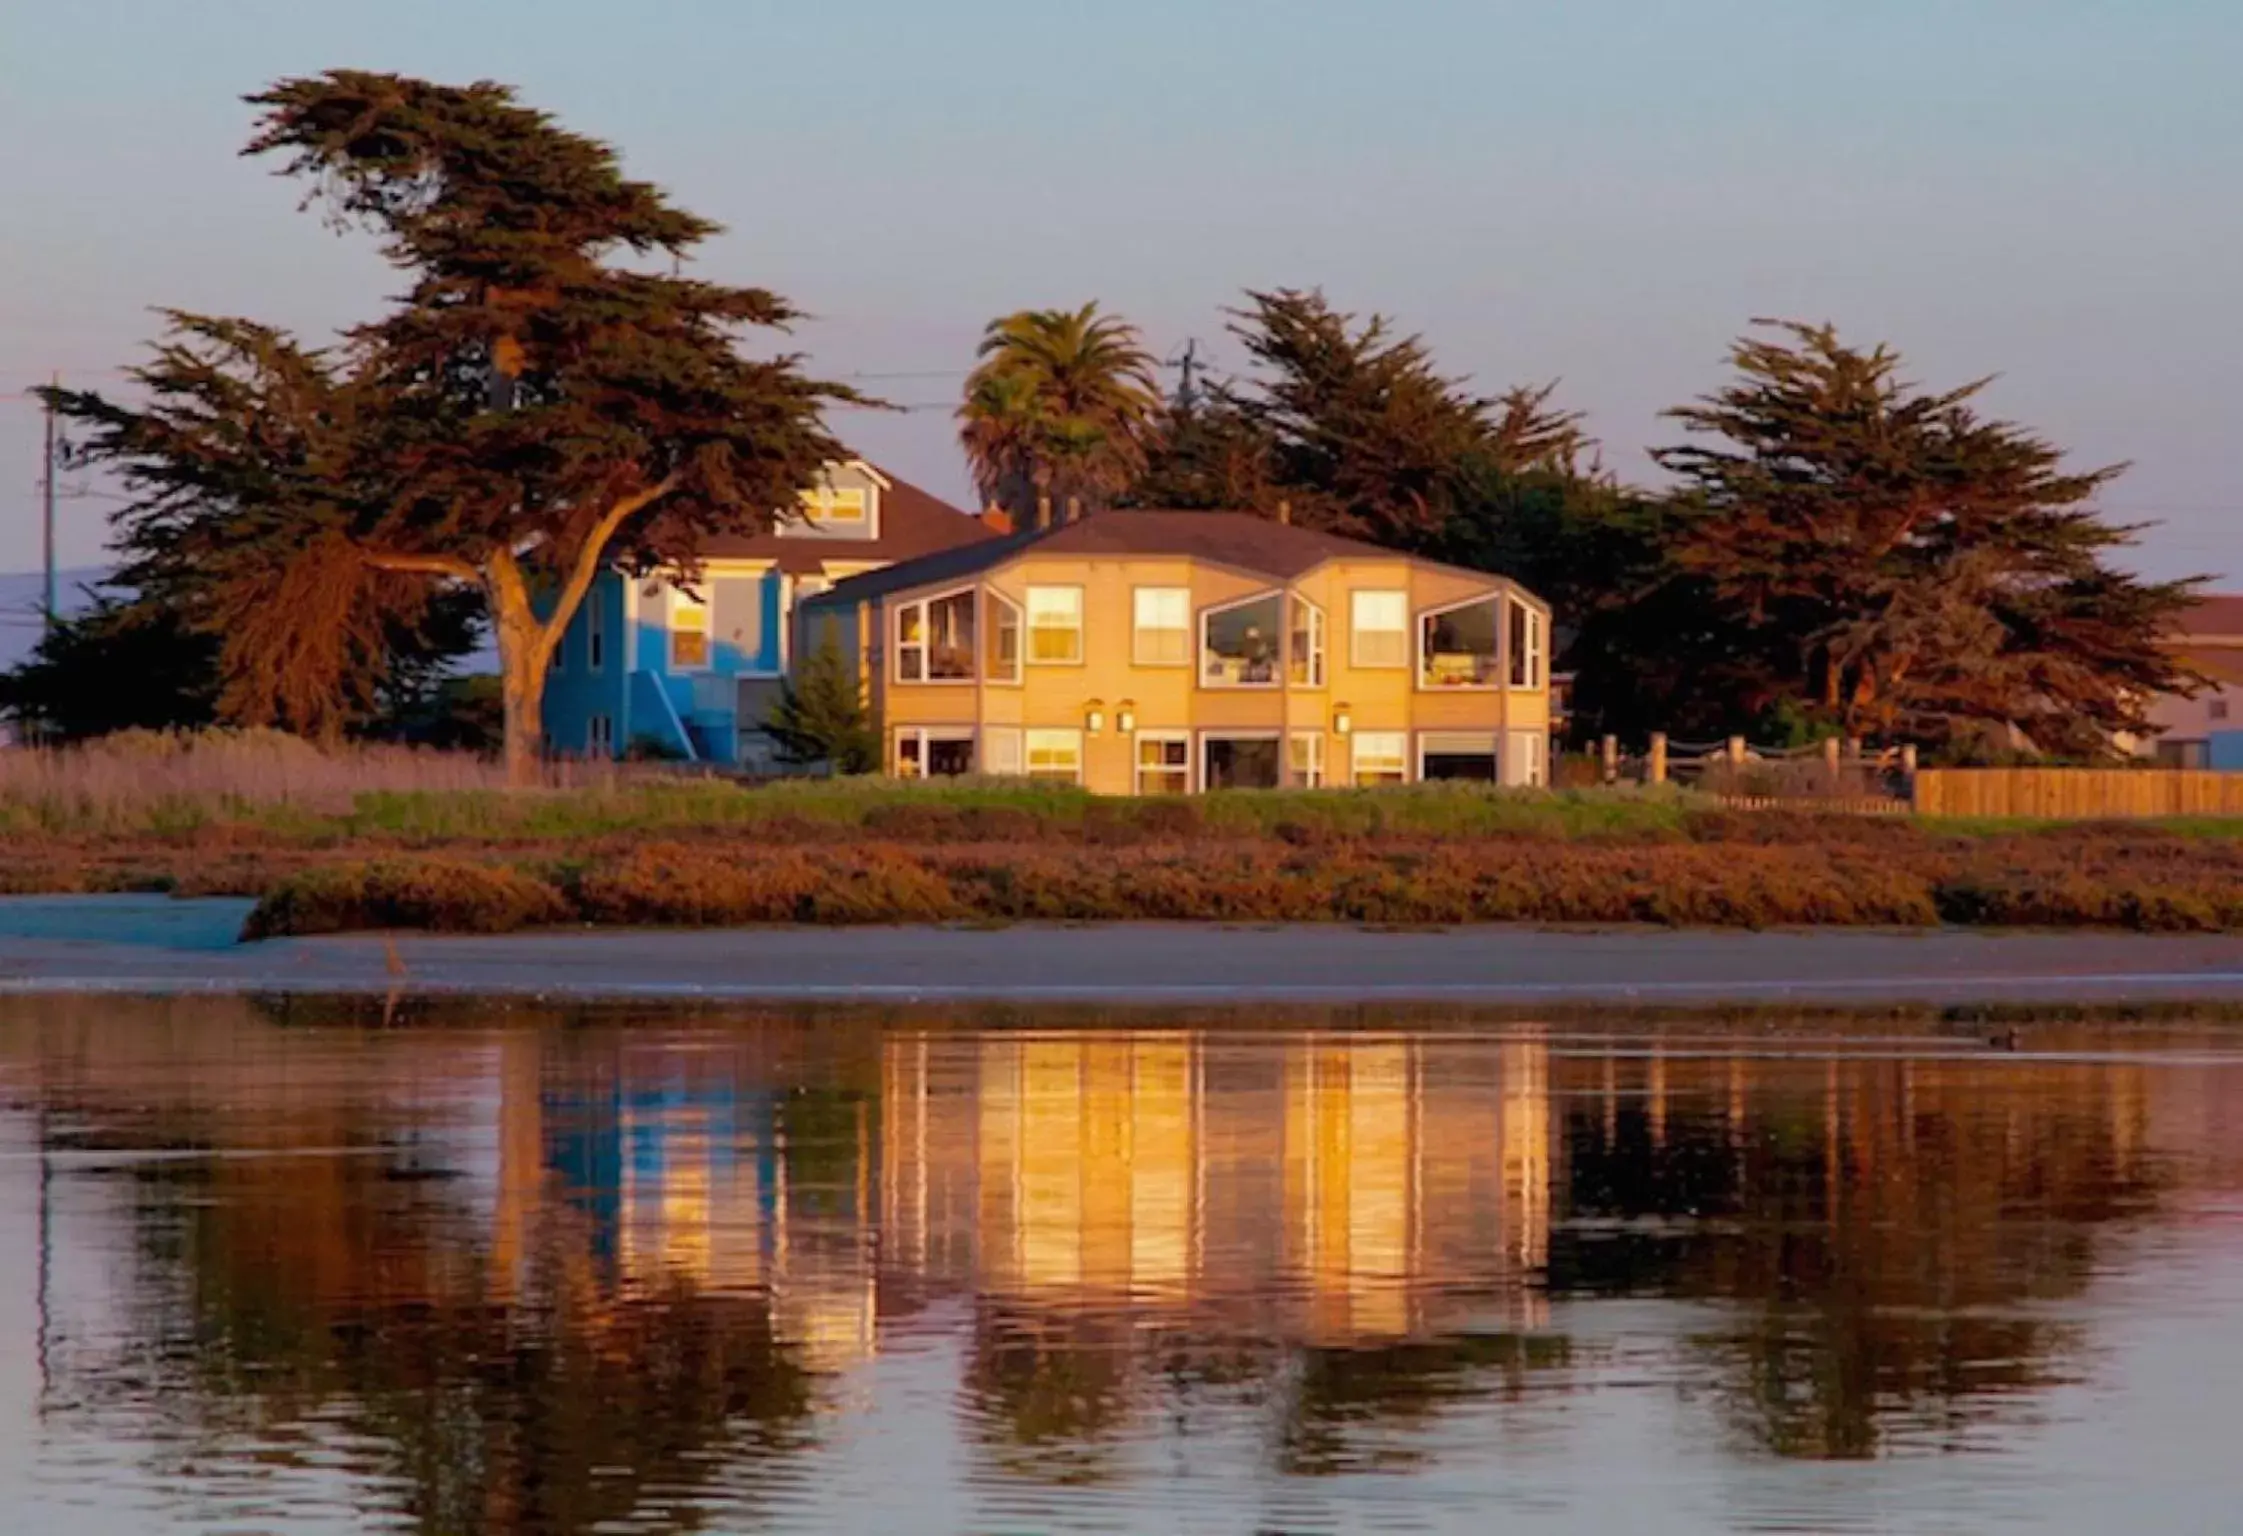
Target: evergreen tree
(537, 406)
(820, 714)
(1900, 565)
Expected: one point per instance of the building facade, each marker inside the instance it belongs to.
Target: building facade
(2206, 731)
(691, 669)
(1172, 652)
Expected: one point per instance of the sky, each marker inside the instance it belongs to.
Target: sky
(1604, 192)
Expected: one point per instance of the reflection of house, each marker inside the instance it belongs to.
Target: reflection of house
(2207, 731)
(1163, 652)
(695, 670)
(1330, 1190)
(679, 1167)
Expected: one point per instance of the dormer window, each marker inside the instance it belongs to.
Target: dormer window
(837, 509)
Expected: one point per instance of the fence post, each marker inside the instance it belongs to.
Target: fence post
(1736, 751)
(1655, 769)
(1610, 749)
(1830, 760)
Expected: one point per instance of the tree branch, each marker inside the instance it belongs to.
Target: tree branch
(422, 565)
(589, 557)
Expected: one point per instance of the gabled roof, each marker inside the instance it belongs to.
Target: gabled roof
(1240, 540)
(913, 523)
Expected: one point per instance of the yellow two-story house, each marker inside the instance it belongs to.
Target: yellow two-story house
(1171, 652)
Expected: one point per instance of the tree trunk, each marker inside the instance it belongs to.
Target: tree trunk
(523, 648)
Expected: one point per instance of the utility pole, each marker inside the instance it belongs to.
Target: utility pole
(1187, 390)
(47, 499)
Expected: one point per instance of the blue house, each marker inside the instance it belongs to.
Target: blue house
(692, 671)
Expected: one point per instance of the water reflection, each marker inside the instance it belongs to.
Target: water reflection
(566, 1274)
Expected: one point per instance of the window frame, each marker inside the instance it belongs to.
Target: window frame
(1280, 647)
(595, 634)
(924, 604)
(991, 601)
(1137, 656)
(1355, 630)
(680, 602)
(924, 737)
(1208, 737)
(1028, 737)
(1537, 648)
(599, 733)
(1320, 643)
(1028, 654)
(1355, 755)
(1313, 775)
(1165, 738)
(1500, 662)
(985, 762)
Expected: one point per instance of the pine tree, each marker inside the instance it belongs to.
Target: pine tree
(820, 715)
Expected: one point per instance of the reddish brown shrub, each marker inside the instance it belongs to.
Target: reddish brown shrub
(442, 895)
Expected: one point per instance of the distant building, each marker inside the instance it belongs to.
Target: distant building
(692, 672)
(1156, 652)
(2206, 731)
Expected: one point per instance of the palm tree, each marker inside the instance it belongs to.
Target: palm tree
(1060, 406)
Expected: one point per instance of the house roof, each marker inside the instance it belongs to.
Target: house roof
(913, 523)
(1240, 540)
(2221, 666)
(2217, 618)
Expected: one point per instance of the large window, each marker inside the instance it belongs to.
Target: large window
(1164, 763)
(1457, 755)
(1305, 758)
(1162, 631)
(1380, 626)
(1004, 639)
(595, 633)
(1527, 642)
(1382, 757)
(1238, 643)
(1458, 648)
(689, 632)
(1239, 762)
(934, 752)
(599, 736)
(1055, 624)
(1305, 651)
(1056, 755)
(935, 639)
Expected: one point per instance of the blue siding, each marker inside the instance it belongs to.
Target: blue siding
(624, 694)
(2224, 750)
(573, 692)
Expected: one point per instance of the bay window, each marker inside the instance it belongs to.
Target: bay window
(1458, 645)
(935, 639)
(1238, 643)
(1305, 650)
(1528, 663)
(1004, 639)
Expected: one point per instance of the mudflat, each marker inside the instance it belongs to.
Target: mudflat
(153, 944)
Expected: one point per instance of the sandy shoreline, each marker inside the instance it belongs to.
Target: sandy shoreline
(151, 945)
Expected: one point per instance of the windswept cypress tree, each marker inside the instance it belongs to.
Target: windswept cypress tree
(552, 394)
(1904, 566)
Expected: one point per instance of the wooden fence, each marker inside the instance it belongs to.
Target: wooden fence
(2077, 794)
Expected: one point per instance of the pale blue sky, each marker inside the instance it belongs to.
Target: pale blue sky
(1605, 190)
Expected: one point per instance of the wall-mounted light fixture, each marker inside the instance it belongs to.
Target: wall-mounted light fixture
(1342, 721)
(1125, 717)
(1094, 716)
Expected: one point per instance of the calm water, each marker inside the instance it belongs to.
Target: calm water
(293, 1270)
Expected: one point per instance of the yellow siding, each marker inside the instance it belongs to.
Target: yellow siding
(1110, 681)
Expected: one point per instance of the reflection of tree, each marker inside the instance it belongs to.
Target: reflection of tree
(1051, 1388)
(353, 1297)
(1884, 1231)
(1339, 1398)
